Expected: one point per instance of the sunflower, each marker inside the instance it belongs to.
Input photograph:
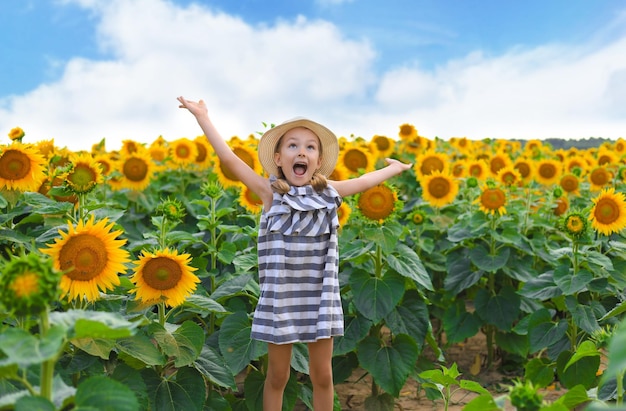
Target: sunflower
(159, 153)
(578, 165)
(378, 203)
(339, 173)
(477, 168)
(407, 132)
(525, 168)
(356, 159)
(608, 214)
(599, 177)
(16, 133)
(459, 169)
(548, 171)
(439, 189)
(499, 161)
(203, 159)
(561, 205)
(250, 201)
(136, 170)
(245, 153)
(570, 183)
(84, 175)
(429, 162)
(382, 145)
(343, 213)
(46, 148)
(620, 146)
(418, 216)
(90, 257)
(105, 162)
(492, 200)
(183, 151)
(575, 225)
(509, 176)
(606, 157)
(28, 284)
(164, 276)
(22, 168)
(130, 147)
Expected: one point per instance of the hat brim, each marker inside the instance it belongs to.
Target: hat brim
(269, 140)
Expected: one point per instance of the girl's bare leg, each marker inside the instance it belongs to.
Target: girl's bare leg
(278, 369)
(321, 372)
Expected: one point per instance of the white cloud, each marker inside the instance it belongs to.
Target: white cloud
(249, 74)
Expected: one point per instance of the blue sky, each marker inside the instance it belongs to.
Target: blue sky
(82, 70)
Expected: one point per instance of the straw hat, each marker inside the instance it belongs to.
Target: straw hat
(269, 140)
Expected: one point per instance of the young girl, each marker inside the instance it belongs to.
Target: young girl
(297, 245)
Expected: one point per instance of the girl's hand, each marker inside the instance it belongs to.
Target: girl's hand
(195, 108)
(392, 162)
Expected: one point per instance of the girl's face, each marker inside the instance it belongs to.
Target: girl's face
(299, 155)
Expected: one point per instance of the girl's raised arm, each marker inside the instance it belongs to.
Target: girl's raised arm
(258, 184)
(371, 179)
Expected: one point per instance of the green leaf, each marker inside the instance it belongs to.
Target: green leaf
(541, 288)
(98, 347)
(227, 252)
(192, 382)
(141, 348)
(583, 315)
(105, 394)
(585, 349)
(460, 275)
(29, 403)
(408, 264)
(512, 342)
(253, 392)
(213, 366)
(616, 354)
(484, 402)
(232, 286)
(539, 371)
(389, 365)
(573, 397)
(356, 328)
(583, 371)
(410, 317)
(24, 349)
(458, 324)
(235, 343)
(203, 305)
(375, 297)
(500, 310)
(184, 344)
(480, 256)
(473, 386)
(43, 205)
(541, 333)
(94, 324)
(568, 282)
(171, 396)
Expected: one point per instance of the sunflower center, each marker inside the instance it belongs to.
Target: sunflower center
(202, 153)
(25, 285)
(430, 164)
(607, 211)
(355, 160)
(569, 183)
(377, 203)
(83, 257)
(475, 171)
(406, 130)
(382, 143)
(14, 165)
(439, 187)
(547, 171)
(599, 177)
(82, 176)
(509, 178)
(135, 169)
(523, 168)
(182, 151)
(162, 273)
(496, 164)
(493, 198)
(604, 159)
(574, 224)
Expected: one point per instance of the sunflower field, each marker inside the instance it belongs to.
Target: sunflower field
(128, 277)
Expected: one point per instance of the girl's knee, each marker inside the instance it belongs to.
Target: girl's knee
(277, 378)
(321, 376)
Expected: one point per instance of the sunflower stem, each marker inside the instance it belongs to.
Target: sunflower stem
(47, 367)
(161, 311)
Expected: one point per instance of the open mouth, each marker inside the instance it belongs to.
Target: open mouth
(299, 169)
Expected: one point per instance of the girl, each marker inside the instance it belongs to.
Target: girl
(297, 245)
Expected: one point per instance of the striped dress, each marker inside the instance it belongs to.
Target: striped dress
(298, 268)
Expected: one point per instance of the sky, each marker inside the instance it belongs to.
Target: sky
(79, 71)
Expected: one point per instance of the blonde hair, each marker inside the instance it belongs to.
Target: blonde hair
(282, 186)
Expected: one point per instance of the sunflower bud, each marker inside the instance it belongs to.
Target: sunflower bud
(172, 209)
(212, 190)
(557, 192)
(16, 133)
(28, 284)
(472, 182)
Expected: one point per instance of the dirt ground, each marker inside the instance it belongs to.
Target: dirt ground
(468, 355)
